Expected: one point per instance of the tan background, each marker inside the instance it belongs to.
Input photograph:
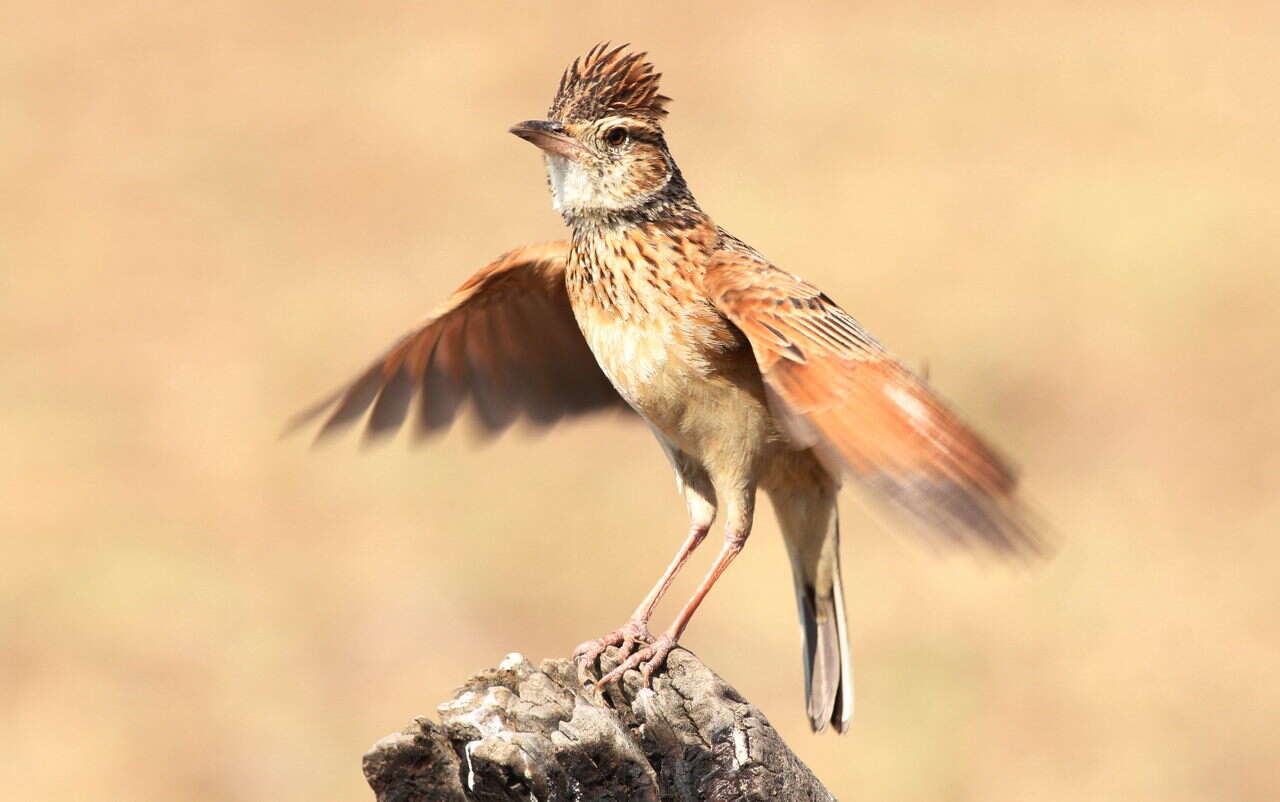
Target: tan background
(212, 213)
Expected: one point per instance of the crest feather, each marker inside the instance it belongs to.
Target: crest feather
(607, 82)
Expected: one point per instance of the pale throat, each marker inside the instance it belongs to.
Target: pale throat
(577, 191)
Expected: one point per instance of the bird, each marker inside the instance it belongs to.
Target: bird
(750, 378)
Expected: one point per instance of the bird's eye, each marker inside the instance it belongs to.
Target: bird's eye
(615, 136)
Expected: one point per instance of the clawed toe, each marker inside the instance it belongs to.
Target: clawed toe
(648, 660)
(625, 637)
(588, 652)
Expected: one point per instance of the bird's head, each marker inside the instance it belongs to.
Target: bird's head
(603, 141)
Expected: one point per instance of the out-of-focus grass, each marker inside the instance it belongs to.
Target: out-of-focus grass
(211, 213)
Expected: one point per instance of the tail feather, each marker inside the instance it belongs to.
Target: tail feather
(821, 659)
(844, 694)
(812, 532)
(828, 669)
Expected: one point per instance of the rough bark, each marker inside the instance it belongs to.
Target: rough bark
(517, 732)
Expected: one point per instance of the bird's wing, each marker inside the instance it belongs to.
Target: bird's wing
(837, 389)
(506, 340)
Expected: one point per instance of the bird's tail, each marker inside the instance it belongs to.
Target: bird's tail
(811, 528)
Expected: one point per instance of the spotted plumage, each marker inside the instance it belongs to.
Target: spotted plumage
(750, 378)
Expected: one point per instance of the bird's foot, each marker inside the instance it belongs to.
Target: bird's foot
(648, 660)
(624, 637)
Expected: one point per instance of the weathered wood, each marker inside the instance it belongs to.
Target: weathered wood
(516, 732)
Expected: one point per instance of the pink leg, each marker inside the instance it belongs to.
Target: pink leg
(696, 533)
(637, 627)
(653, 656)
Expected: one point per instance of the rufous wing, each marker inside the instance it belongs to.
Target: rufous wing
(835, 388)
(505, 342)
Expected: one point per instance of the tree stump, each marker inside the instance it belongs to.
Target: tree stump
(516, 732)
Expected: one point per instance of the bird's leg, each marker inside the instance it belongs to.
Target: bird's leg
(652, 657)
(636, 629)
(700, 496)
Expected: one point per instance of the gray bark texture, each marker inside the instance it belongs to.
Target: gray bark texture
(517, 732)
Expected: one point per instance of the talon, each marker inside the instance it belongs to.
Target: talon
(648, 660)
(588, 652)
(625, 637)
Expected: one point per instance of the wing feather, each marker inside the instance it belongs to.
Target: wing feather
(836, 388)
(506, 342)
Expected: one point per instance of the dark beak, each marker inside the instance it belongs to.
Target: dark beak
(550, 136)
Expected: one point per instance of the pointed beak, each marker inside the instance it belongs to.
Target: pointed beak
(550, 136)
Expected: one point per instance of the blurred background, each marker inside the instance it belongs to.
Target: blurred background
(213, 213)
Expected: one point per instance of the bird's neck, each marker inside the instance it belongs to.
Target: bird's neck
(671, 207)
(628, 262)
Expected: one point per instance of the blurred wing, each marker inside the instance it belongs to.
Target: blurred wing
(506, 341)
(837, 389)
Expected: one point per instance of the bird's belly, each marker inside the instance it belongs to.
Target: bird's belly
(684, 395)
(637, 359)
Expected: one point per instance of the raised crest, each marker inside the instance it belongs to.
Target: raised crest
(607, 82)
